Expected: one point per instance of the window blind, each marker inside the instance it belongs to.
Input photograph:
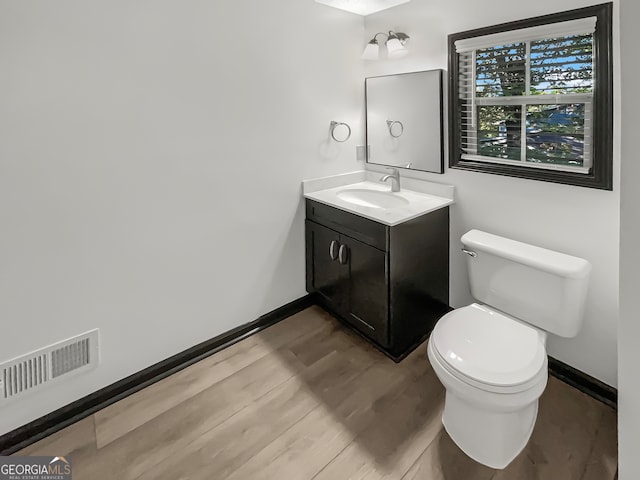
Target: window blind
(560, 29)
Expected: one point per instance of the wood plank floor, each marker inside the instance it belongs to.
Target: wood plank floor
(309, 399)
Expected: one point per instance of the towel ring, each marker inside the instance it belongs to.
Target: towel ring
(332, 131)
(391, 124)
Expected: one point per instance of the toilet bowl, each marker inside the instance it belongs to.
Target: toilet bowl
(493, 379)
(491, 356)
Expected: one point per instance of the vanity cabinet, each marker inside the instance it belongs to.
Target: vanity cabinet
(350, 276)
(391, 283)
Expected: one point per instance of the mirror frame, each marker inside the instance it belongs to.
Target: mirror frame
(440, 106)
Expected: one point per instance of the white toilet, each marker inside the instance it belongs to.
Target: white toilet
(491, 356)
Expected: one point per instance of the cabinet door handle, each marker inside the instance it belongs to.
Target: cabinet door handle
(342, 254)
(332, 250)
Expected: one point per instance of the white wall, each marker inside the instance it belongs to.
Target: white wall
(151, 154)
(628, 351)
(575, 220)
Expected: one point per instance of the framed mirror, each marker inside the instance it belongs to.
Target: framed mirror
(404, 120)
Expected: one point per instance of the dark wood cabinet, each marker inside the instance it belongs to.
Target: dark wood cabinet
(349, 276)
(328, 273)
(389, 283)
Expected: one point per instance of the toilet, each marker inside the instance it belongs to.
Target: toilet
(490, 355)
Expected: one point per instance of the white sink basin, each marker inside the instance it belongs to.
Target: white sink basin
(375, 201)
(371, 198)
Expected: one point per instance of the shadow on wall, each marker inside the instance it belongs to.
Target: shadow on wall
(330, 150)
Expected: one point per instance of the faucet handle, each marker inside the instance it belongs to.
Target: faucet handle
(395, 179)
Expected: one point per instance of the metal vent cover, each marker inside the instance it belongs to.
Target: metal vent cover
(48, 365)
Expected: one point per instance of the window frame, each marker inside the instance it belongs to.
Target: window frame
(601, 173)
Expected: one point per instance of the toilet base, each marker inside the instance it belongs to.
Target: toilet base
(489, 437)
(491, 427)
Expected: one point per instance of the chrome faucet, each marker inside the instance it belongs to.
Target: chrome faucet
(395, 179)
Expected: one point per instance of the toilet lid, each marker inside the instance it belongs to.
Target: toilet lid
(488, 346)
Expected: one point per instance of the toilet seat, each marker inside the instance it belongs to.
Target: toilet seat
(489, 350)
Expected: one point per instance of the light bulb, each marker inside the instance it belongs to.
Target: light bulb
(371, 51)
(395, 48)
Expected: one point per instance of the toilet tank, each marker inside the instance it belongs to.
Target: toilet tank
(544, 288)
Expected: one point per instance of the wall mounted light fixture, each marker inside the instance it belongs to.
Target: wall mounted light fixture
(395, 46)
(363, 7)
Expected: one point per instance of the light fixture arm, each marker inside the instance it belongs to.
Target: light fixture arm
(403, 37)
(374, 40)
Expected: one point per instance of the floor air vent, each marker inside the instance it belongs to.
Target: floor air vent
(48, 365)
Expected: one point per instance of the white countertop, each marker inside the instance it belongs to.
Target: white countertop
(418, 203)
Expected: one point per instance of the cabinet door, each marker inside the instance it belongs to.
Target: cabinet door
(367, 300)
(325, 274)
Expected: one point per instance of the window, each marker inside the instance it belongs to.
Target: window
(533, 98)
